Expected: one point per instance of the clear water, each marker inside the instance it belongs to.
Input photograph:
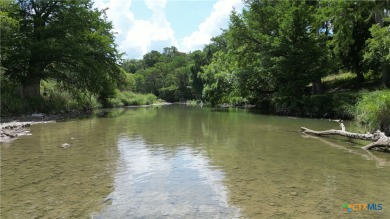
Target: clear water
(187, 162)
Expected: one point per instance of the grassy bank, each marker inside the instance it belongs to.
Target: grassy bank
(126, 98)
(56, 99)
(345, 98)
(373, 110)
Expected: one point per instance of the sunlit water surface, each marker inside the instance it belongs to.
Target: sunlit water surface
(188, 162)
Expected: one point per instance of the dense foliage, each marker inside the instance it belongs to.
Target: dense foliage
(275, 52)
(67, 41)
(276, 55)
(373, 110)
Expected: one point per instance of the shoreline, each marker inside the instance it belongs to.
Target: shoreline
(12, 130)
(14, 127)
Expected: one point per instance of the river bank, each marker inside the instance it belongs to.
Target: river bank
(17, 126)
(12, 130)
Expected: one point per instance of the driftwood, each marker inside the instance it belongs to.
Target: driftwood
(378, 138)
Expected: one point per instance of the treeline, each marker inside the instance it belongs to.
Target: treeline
(171, 75)
(276, 54)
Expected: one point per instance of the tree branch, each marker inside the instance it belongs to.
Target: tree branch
(380, 140)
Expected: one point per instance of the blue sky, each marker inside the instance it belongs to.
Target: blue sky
(145, 25)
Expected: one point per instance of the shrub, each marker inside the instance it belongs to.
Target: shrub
(170, 94)
(54, 99)
(331, 105)
(130, 99)
(58, 98)
(373, 110)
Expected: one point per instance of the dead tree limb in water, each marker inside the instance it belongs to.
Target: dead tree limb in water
(380, 140)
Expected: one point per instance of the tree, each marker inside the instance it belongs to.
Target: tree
(220, 79)
(198, 60)
(277, 49)
(132, 65)
(299, 52)
(68, 41)
(350, 23)
(151, 58)
(380, 34)
(379, 48)
(9, 26)
(170, 52)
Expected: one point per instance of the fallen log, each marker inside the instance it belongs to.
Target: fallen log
(380, 140)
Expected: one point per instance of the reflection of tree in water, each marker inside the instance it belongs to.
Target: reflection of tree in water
(268, 169)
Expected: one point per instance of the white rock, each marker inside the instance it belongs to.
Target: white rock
(65, 145)
(40, 115)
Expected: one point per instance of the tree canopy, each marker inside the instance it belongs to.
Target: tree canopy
(274, 53)
(68, 41)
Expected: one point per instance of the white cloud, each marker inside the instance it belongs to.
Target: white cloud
(211, 25)
(136, 36)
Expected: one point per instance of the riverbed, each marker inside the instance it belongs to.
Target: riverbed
(189, 162)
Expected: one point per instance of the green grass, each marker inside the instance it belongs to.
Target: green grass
(373, 110)
(126, 98)
(345, 76)
(55, 99)
(347, 81)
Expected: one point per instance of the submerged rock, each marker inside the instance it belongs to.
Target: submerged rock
(65, 145)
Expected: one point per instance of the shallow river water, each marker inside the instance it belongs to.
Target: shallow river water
(188, 162)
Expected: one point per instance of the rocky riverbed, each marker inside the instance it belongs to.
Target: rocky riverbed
(12, 130)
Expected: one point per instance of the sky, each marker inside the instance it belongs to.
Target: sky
(145, 25)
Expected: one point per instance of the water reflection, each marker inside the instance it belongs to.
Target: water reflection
(181, 162)
(153, 181)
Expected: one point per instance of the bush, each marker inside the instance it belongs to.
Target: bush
(58, 98)
(130, 99)
(170, 94)
(373, 110)
(331, 105)
(54, 99)
(12, 105)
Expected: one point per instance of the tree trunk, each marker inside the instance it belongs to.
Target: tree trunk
(32, 87)
(384, 66)
(386, 74)
(380, 140)
(359, 75)
(316, 86)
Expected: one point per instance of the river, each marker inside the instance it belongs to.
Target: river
(189, 162)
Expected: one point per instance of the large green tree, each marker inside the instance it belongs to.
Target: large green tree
(379, 47)
(349, 24)
(381, 34)
(278, 49)
(69, 41)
